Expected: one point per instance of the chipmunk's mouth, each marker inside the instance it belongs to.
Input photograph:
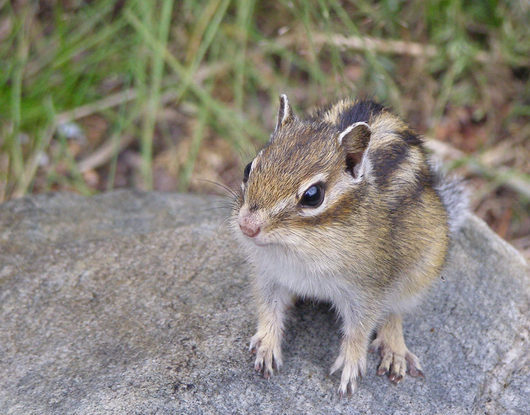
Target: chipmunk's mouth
(259, 241)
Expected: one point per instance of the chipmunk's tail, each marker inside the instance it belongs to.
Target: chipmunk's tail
(454, 196)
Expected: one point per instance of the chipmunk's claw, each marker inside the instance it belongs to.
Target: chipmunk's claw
(396, 365)
(413, 366)
(268, 355)
(351, 372)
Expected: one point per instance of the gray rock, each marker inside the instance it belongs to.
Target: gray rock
(139, 303)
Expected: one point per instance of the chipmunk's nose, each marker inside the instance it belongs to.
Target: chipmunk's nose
(249, 225)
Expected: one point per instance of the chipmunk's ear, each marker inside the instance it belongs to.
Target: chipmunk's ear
(354, 139)
(285, 113)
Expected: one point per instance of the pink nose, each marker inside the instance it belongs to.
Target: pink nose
(249, 227)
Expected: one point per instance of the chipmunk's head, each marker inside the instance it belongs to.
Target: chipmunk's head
(304, 182)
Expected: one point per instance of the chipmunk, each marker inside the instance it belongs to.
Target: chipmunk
(345, 206)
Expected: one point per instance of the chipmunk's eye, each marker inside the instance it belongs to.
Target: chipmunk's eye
(313, 197)
(246, 172)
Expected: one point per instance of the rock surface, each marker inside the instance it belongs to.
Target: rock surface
(139, 303)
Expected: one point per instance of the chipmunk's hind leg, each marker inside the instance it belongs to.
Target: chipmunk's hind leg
(396, 360)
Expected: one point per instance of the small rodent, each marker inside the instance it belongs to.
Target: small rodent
(345, 206)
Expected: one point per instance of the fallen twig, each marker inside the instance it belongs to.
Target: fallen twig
(104, 153)
(367, 43)
(128, 95)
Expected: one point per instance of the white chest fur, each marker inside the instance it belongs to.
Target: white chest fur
(301, 276)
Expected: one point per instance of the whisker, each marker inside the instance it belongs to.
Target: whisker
(221, 209)
(225, 206)
(228, 205)
(222, 186)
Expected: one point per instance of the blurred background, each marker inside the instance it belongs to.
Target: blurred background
(173, 95)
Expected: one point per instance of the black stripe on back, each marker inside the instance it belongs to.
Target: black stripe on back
(410, 138)
(362, 111)
(386, 161)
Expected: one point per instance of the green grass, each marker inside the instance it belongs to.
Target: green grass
(213, 69)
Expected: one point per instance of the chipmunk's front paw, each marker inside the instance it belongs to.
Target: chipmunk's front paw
(352, 370)
(268, 353)
(396, 363)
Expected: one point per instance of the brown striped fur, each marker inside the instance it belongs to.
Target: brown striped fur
(375, 245)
